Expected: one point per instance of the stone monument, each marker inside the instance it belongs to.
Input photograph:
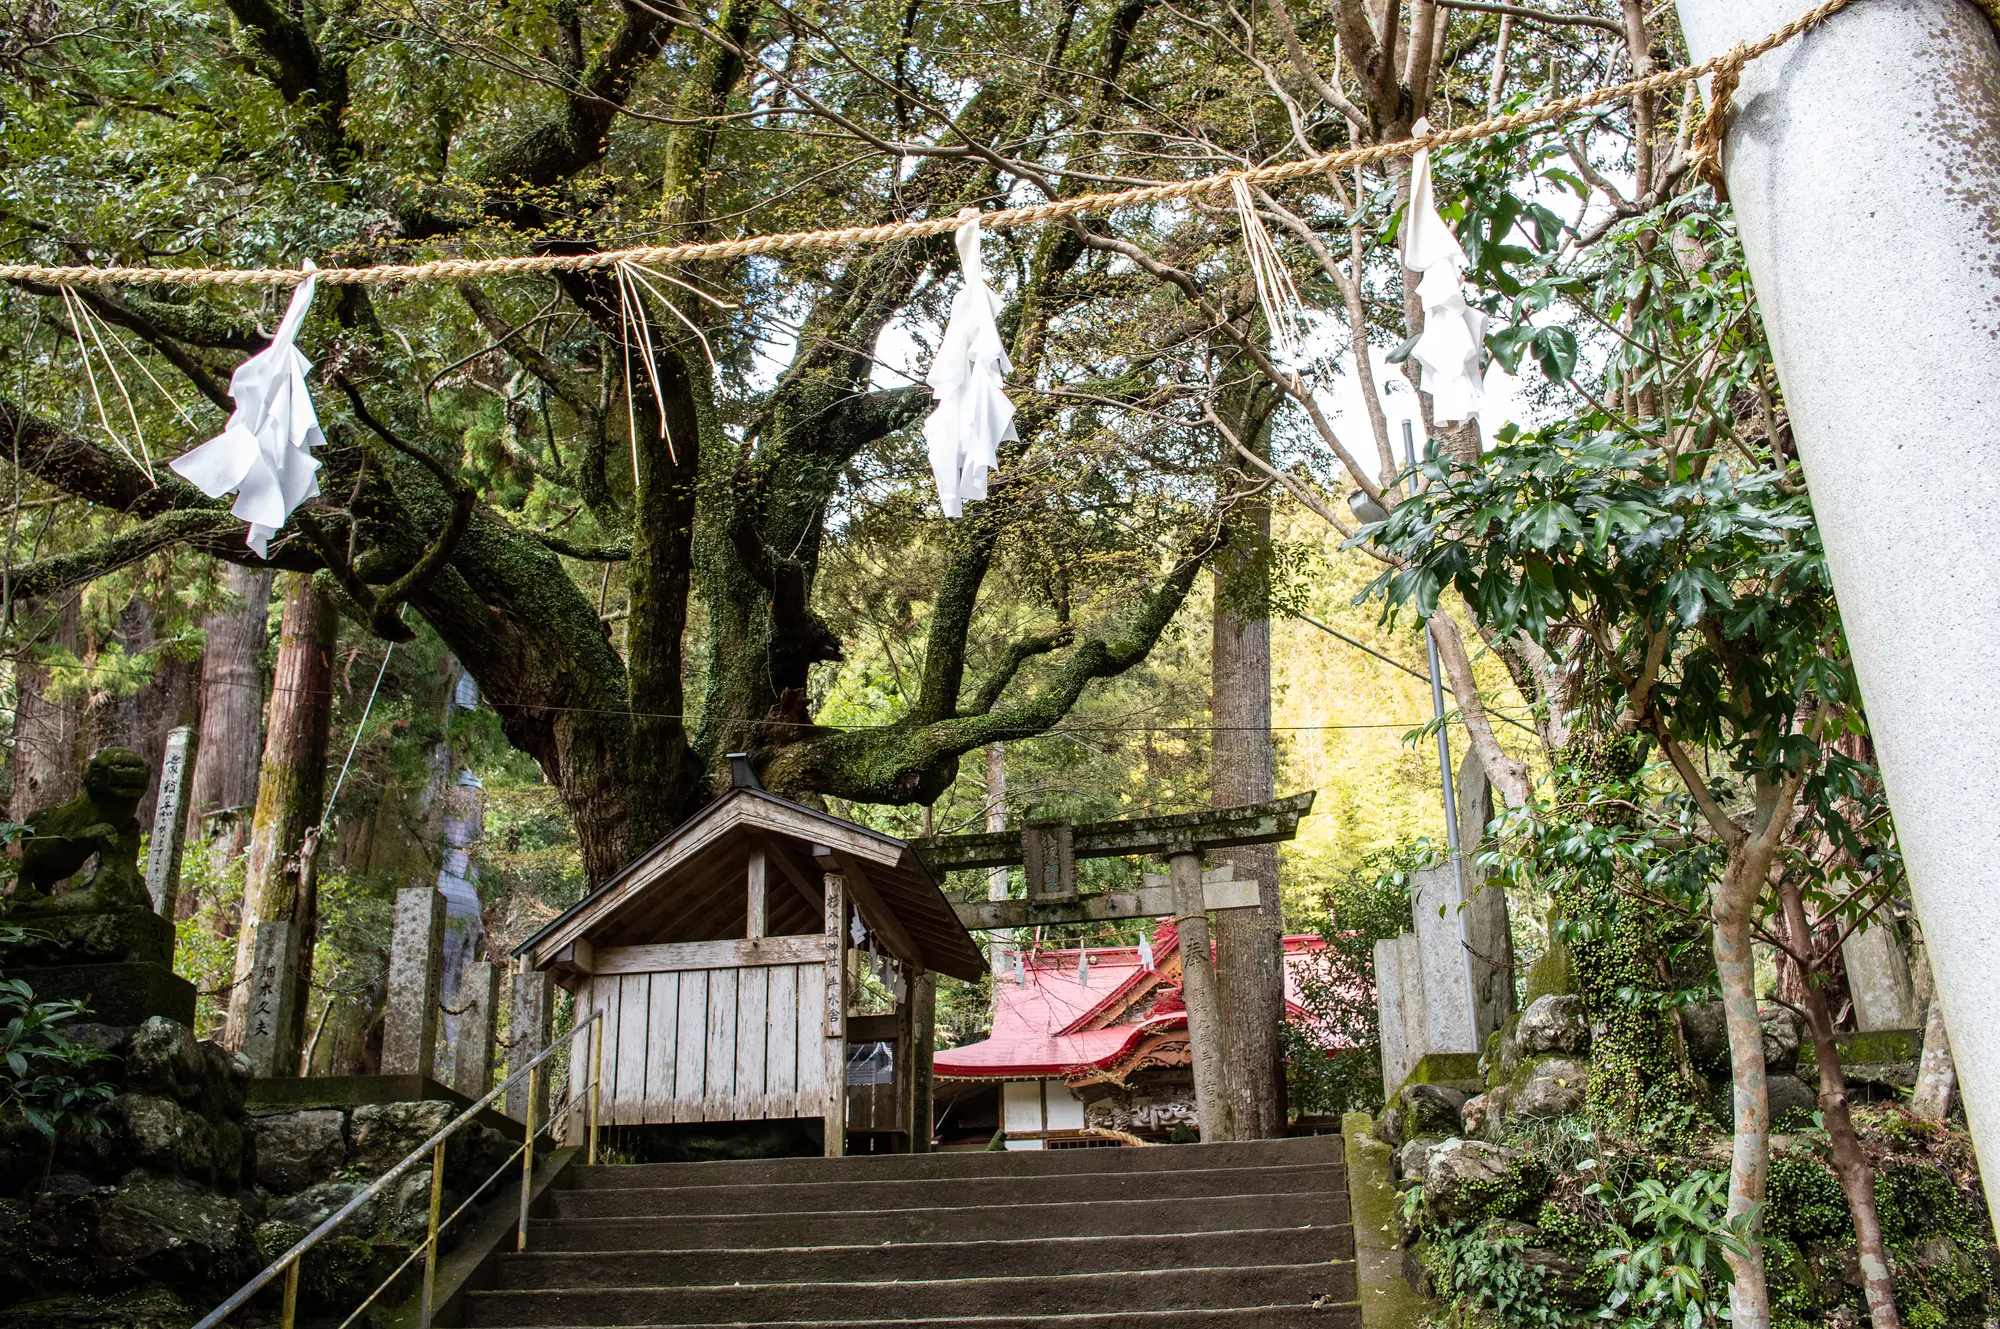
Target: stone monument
(93, 934)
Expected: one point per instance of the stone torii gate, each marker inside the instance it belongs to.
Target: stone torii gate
(1048, 850)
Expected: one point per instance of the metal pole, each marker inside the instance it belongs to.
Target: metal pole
(289, 1316)
(596, 1083)
(527, 1164)
(1437, 687)
(431, 1234)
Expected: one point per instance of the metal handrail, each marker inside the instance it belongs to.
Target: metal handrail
(429, 1250)
(288, 1263)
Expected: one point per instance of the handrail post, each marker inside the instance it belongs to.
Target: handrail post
(596, 1084)
(431, 1237)
(289, 1316)
(527, 1163)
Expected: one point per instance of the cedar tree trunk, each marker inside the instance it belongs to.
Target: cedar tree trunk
(284, 837)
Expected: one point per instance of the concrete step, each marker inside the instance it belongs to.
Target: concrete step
(985, 1163)
(1065, 1218)
(1298, 1285)
(915, 1261)
(866, 1196)
(1330, 1315)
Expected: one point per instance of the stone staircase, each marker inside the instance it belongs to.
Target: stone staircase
(1222, 1236)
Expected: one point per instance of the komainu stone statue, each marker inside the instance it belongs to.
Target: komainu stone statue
(92, 841)
(87, 927)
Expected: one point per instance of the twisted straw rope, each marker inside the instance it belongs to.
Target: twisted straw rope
(1727, 66)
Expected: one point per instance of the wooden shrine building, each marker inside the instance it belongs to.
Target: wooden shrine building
(727, 958)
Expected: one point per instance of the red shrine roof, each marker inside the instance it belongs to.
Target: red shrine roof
(1053, 1025)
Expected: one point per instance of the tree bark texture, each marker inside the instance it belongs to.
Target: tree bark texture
(290, 794)
(1857, 1178)
(48, 730)
(1249, 943)
(1750, 1160)
(232, 714)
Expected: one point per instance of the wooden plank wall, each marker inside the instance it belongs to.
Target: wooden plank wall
(712, 1044)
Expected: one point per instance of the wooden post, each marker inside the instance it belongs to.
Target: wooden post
(479, 991)
(409, 1027)
(923, 1018)
(835, 1029)
(163, 851)
(527, 1035)
(1204, 1009)
(906, 1060)
(754, 905)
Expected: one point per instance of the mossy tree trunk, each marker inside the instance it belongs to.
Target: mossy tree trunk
(232, 714)
(281, 877)
(1249, 943)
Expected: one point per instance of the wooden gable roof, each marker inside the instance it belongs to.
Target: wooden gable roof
(691, 887)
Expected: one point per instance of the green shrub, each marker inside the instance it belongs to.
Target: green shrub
(1804, 1201)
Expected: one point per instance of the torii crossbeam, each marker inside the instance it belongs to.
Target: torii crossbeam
(1049, 850)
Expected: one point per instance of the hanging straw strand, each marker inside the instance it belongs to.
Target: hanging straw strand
(1726, 68)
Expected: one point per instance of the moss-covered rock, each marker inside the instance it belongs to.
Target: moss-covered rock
(145, 1308)
(1467, 1181)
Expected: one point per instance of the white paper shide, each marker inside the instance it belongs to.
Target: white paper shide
(973, 416)
(264, 453)
(1453, 332)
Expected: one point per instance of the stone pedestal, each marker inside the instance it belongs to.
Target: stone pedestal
(119, 961)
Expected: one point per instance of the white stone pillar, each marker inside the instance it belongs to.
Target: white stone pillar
(410, 1024)
(1862, 167)
(834, 1030)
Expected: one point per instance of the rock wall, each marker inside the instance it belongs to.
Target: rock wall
(151, 1214)
(183, 1194)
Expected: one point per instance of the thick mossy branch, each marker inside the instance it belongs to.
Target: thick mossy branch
(48, 575)
(1010, 664)
(79, 467)
(911, 762)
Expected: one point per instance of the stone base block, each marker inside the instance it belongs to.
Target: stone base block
(119, 994)
(1456, 1070)
(1875, 1048)
(107, 936)
(350, 1091)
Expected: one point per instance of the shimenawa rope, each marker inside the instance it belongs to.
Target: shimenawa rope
(1706, 143)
